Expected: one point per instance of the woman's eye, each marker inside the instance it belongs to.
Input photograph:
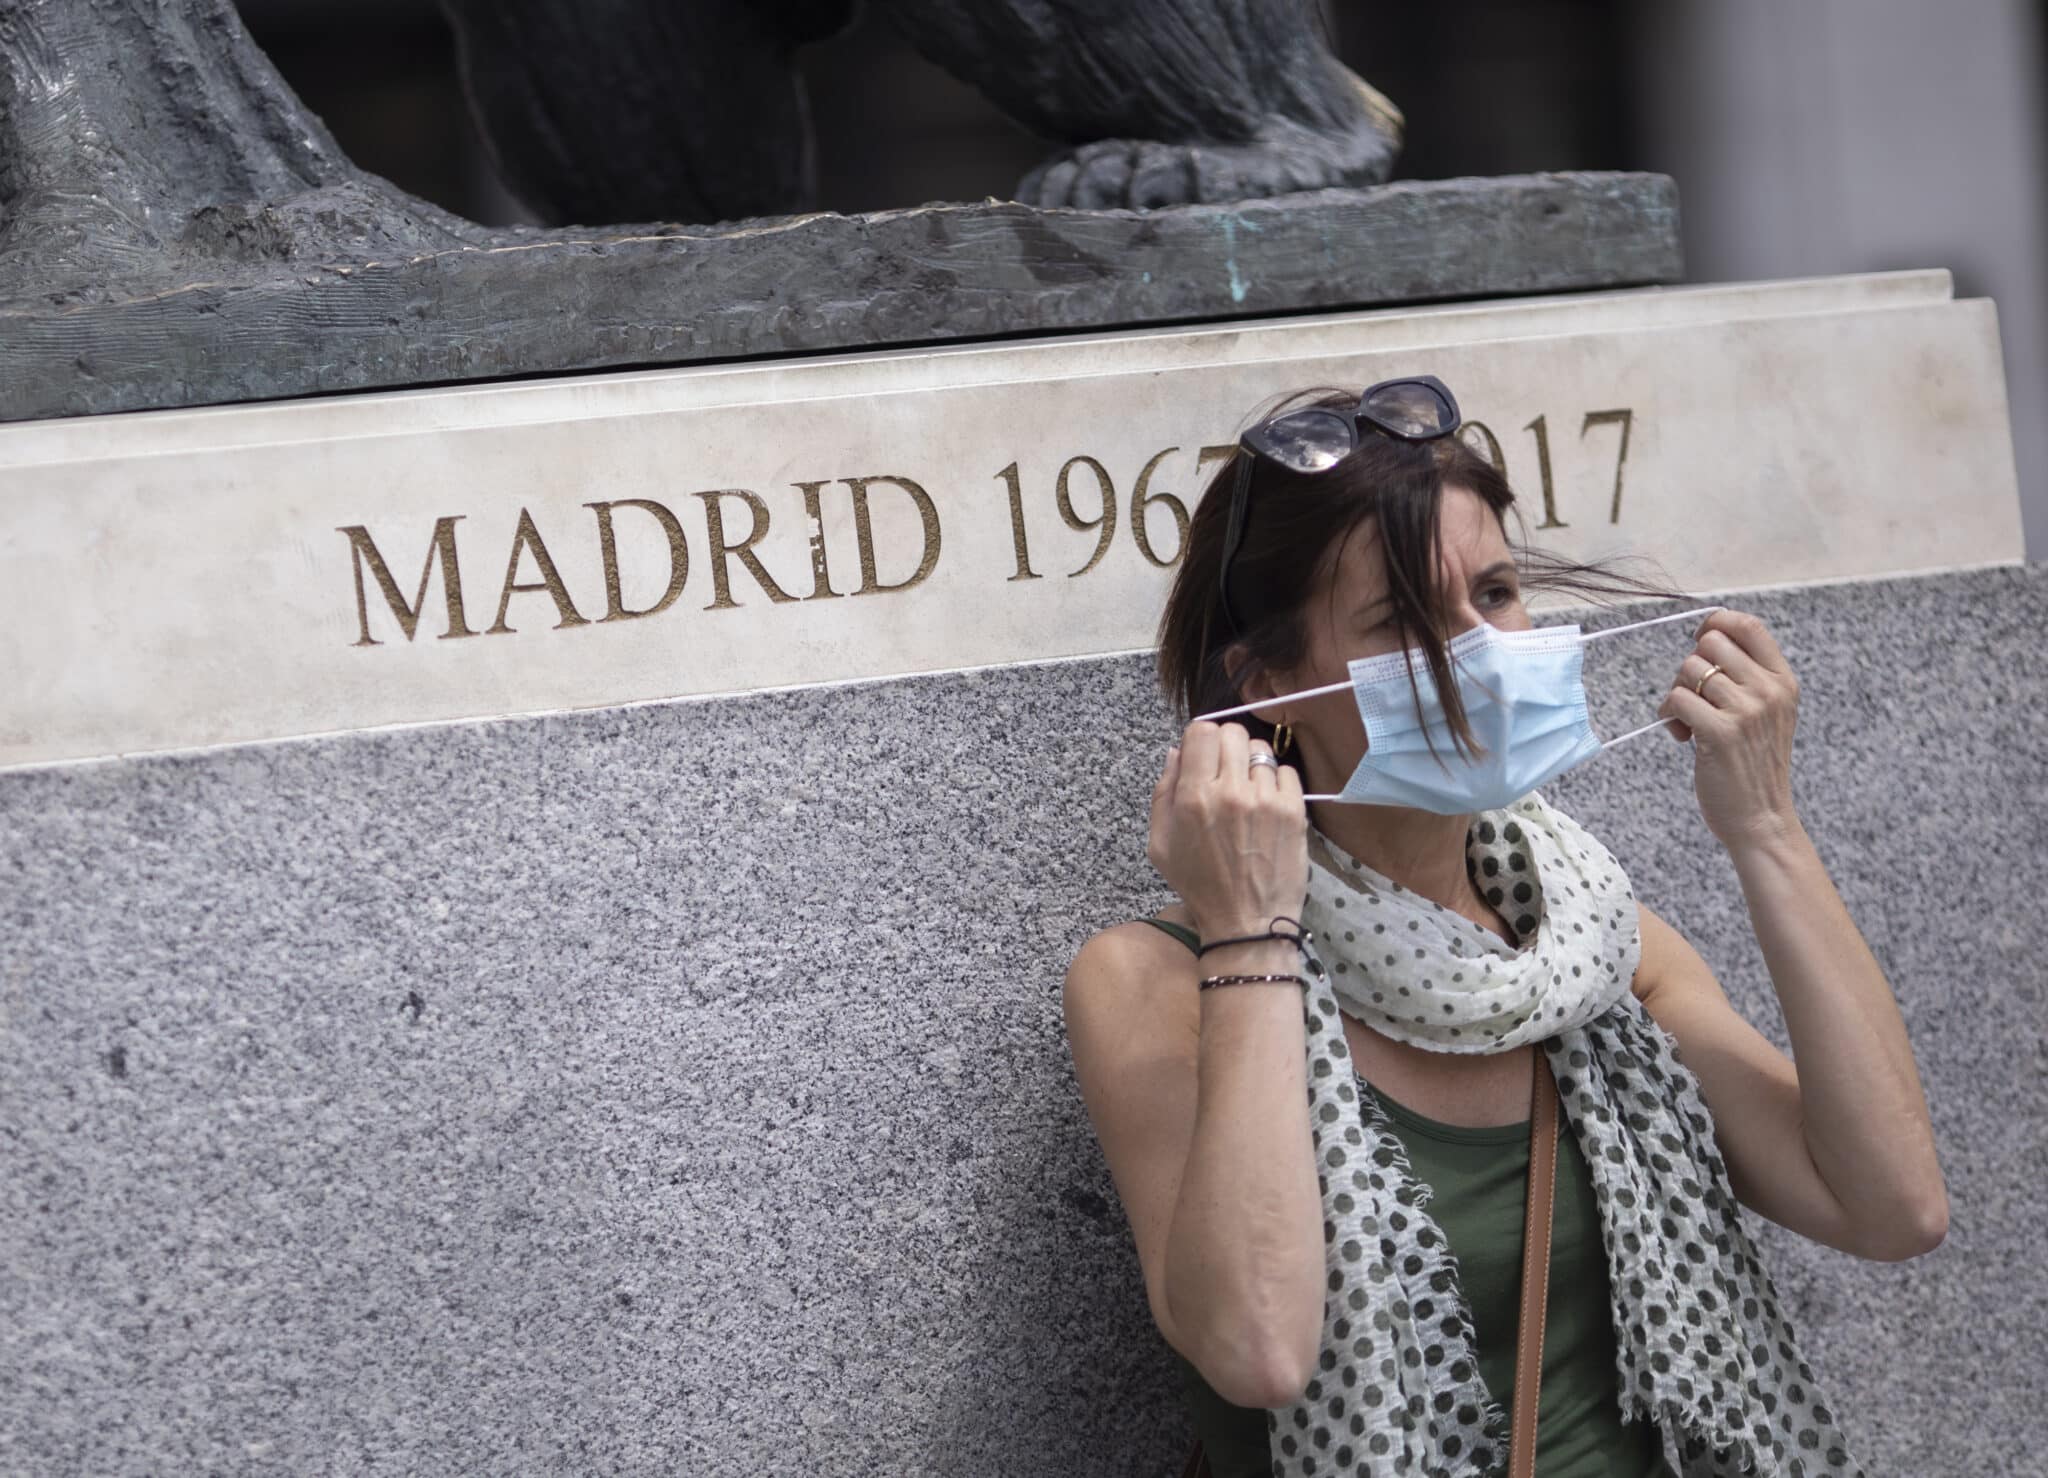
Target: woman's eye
(1507, 592)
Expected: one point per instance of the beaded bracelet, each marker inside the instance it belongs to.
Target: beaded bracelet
(1212, 980)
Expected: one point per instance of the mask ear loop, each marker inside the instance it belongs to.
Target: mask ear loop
(1283, 698)
(1269, 702)
(1653, 621)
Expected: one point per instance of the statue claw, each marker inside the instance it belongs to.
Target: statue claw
(1144, 174)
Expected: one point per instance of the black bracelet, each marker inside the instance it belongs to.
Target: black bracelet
(1299, 938)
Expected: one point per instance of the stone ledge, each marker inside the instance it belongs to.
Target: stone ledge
(549, 302)
(351, 562)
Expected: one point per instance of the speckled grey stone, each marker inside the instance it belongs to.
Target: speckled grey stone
(682, 1089)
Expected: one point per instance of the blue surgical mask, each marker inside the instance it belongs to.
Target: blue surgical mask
(1524, 698)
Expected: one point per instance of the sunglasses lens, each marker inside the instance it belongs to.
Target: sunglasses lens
(1411, 409)
(1306, 441)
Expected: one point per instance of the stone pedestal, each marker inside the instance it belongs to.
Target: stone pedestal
(607, 1019)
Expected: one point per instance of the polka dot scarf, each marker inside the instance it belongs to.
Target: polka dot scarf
(1705, 1349)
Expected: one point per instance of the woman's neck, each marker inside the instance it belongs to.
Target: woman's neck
(1421, 850)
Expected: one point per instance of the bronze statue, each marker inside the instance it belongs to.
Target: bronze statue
(176, 228)
(691, 110)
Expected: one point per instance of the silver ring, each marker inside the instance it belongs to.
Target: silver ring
(1260, 757)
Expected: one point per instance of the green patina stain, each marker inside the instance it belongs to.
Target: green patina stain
(1230, 225)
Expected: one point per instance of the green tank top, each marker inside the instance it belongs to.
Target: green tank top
(1479, 1181)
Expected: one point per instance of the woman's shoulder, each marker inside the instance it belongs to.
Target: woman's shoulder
(1140, 939)
(1134, 976)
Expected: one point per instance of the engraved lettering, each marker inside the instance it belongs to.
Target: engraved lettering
(1140, 496)
(1105, 520)
(714, 523)
(678, 557)
(361, 548)
(1550, 518)
(1491, 451)
(928, 515)
(528, 537)
(821, 578)
(1016, 484)
(1625, 419)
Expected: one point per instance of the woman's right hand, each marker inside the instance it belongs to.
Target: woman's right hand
(1231, 839)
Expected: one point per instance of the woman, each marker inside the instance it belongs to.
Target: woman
(1275, 1140)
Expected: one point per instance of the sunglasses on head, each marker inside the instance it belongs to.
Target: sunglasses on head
(1315, 439)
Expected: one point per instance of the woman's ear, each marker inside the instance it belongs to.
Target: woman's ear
(1235, 664)
(1248, 678)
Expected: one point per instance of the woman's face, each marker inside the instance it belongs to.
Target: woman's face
(1353, 619)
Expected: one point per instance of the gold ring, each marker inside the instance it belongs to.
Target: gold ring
(1712, 668)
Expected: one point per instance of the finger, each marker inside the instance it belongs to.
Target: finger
(1162, 799)
(1718, 646)
(1264, 778)
(1680, 731)
(1693, 678)
(1695, 712)
(1750, 637)
(1162, 788)
(1747, 630)
(1234, 753)
(1198, 747)
(1289, 780)
(1707, 622)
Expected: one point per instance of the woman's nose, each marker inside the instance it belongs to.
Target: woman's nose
(1463, 619)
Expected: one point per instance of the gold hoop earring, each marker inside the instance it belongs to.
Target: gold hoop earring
(1283, 735)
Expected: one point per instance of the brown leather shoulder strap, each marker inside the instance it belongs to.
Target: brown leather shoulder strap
(1543, 1127)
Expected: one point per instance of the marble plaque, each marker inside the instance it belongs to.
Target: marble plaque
(192, 578)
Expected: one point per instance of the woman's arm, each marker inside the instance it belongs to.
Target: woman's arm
(1862, 1118)
(1863, 1114)
(1752, 1090)
(1245, 1261)
(1220, 1181)
(1200, 1103)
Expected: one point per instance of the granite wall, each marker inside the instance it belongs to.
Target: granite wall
(682, 1088)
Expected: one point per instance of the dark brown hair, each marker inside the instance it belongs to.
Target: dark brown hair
(1295, 529)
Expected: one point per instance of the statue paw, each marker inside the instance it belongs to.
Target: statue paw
(1143, 174)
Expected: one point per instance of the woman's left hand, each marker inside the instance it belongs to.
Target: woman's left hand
(1740, 724)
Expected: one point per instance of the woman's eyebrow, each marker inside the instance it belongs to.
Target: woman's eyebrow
(1498, 567)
